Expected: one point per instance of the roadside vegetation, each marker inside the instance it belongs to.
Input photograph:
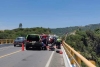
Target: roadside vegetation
(12, 34)
(87, 42)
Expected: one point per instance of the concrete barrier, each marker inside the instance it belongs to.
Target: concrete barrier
(66, 59)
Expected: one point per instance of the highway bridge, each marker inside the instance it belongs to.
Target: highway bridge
(11, 56)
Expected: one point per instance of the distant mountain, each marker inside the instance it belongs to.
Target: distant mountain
(61, 31)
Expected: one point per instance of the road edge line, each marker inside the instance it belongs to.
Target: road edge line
(48, 63)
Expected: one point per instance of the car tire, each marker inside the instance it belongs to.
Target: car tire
(39, 48)
(45, 48)
(14, 45)
(27, 48)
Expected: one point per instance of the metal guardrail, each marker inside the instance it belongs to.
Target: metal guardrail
(77, 59)
(6, 41)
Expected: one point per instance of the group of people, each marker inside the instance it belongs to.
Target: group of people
(54, 41)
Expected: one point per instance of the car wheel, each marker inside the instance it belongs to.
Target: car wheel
(45, 48)
(39, 48)
(27, 48)
(14, 45)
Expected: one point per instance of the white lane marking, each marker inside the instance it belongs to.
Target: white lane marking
(10, 54)
(48, 63)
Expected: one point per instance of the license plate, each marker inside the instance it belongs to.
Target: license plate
(33, 42)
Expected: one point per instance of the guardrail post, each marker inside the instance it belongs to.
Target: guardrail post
(10, 40)
(6, 41)
(68, 53)
(78, 59)
(1, 41)
(72, 60)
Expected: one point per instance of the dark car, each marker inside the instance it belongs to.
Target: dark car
(33, 41)
(19, 41)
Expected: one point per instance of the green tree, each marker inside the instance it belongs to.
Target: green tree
(20, 25)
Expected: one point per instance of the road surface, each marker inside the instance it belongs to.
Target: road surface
(13, 57)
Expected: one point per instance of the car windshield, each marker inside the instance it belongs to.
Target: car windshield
(33, 37)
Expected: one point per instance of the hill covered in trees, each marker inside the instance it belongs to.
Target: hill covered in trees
(87, 42)
(11, 34)
(61, 31)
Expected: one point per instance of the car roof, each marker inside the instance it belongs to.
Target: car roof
(20, 37)
(33, 34)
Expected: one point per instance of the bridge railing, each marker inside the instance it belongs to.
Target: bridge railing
(6, 41)
(76, 58)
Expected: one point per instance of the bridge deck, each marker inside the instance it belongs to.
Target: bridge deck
(11, 56)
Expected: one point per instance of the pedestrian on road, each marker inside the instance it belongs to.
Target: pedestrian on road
(58, 43)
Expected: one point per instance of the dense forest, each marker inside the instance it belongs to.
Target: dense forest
(61, 31)
(12, 34)
(87, 42)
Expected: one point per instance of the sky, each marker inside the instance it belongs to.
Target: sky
(48, 13)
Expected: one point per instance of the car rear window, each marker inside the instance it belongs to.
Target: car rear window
(19, 38)
(33, 38)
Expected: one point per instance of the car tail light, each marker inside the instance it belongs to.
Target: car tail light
(29, 41)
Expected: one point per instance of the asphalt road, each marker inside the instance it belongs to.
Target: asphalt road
(14, 57)
(5, 45)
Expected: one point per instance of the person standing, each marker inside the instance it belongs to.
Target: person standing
(58, 43)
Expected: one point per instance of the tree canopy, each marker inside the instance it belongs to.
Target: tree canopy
(11, 34)
(20, 25)
(87, 42)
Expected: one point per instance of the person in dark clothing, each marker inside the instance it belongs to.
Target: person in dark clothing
(44, 40)
(54, 42)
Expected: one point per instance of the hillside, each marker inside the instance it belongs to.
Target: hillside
(87, 43)
(61, 31)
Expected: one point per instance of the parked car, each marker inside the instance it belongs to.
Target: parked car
(33, 41)
(19, 41)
